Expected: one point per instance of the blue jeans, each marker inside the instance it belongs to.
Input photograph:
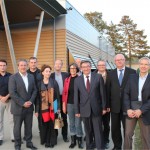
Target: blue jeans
(75, 122)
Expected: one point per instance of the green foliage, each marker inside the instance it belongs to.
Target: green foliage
(125, 37)
(95, 18)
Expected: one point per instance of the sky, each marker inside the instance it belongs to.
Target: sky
(113, 10)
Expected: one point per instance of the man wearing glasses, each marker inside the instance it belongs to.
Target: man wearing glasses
(116, 84)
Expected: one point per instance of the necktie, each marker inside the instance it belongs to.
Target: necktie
(88, 84)
(120, 76)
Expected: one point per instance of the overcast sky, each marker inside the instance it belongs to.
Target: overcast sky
(113, 10)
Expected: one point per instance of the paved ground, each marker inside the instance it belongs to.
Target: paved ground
(8, 145)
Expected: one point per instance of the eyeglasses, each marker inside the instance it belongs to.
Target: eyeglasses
(73, 68)
(119, 59)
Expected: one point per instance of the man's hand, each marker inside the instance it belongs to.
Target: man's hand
(27, 104)
(104, 112)
(131, 113)
(36, 114)
(138, 113)
(77, 115)
(3, 99)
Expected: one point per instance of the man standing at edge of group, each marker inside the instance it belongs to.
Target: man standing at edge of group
(116, 83)
(5, 100)
(137, 105)
(60, 77)
(23, 92)
(89, 102)
(101, 69)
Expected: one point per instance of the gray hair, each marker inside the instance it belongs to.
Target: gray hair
(145, 58)
(101, 61)
(22, 59)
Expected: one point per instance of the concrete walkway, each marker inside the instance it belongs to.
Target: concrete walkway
(61, 145)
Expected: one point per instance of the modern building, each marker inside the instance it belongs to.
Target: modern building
(49, 30)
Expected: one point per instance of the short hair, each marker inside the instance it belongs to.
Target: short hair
(102, 61)
(59, 60)
(85, 61)
(4, 61)
(33, 58)
(20, 60)
(44, 67)
(75, 65)
(144, 58)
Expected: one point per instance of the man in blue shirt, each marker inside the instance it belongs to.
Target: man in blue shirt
(5, 103)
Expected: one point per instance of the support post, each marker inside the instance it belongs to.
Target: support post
(38, 34)
(8, 35)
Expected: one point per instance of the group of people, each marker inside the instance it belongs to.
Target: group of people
(121, 95)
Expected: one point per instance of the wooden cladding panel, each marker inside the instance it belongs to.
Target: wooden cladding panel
(3, 45)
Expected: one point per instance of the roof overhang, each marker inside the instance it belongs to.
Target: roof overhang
(23, 11)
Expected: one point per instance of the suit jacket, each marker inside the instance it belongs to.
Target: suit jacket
(115, 91)
(19, 95)
(131, 94)
(95, 100)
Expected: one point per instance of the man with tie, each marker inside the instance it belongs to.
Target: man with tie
(116, 83)
(22, 90)
(90, 101)
(137, 105)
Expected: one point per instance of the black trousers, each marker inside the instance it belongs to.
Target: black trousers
(48, 133)
(64, 130)
(106, 127)
(116, 120)
(27, 118)
(93, 123)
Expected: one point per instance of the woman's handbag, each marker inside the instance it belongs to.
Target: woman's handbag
(58, 122)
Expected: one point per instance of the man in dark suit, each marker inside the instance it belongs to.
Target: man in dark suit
(101, 69)
(116, 83)
(137, 105)
(23, 92)
(89, 103)
(60, 77)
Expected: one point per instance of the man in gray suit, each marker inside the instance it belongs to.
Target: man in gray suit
(89, 101)
(23, 92)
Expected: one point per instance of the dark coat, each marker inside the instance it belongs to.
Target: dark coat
(131, 94)
(95, 100)
(115, 91)
(19, 95)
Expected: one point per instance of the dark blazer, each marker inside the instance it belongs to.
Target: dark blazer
(19, 95)
(131, 94)
(64, 76)
(115, 91)
(95, 100)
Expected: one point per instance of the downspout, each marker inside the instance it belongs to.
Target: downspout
(54, 36)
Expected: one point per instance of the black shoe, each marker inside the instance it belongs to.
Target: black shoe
(1, 142)
(106, 146)
(12, 140)
(51, 146)
(80, 142)
(31, 147)
(66, 139)
(47, 145)
(73, 141)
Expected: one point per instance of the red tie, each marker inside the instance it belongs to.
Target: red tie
(88, 84)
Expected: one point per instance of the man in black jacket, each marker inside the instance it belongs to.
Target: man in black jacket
(116, 83)
(101, 69)
(137, 105)
(60, 77)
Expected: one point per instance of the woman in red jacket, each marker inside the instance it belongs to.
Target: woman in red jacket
(68, 107)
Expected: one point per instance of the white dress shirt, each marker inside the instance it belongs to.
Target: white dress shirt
(141, 83)
(85, 78)
(25, 80)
